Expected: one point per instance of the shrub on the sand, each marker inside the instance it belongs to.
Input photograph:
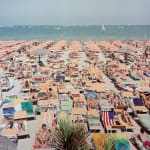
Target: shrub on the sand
(70, 137)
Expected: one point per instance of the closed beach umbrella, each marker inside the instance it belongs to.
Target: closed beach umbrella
(40, 52)
(6, 144)
(125, 49)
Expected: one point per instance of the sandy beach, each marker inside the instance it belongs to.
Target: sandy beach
(94, 58)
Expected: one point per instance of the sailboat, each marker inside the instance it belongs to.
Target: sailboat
(103, 27)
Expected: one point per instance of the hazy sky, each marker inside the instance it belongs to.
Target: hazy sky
(74, 12)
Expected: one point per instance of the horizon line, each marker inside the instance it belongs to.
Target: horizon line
(75, 25)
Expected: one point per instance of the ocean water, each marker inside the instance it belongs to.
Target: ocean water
(81, 33)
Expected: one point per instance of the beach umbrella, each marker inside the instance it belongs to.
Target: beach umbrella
(6, 144)
(40, 52)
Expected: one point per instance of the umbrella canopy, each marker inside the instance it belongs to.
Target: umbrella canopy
(40, 52)
(125, 49)
(6, 144)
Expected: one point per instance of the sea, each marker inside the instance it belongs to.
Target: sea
(81, 33)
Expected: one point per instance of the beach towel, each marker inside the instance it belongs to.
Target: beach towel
(28, 107)
(108, 118)
(138, 102)
(9, 112)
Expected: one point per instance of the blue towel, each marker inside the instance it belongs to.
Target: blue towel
(111, 115)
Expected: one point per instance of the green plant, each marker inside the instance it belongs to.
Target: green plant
(69, 137)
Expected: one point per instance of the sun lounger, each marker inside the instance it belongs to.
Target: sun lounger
(42, 106)
(59, 78)
(144, 96)
(94, 120)
(18, 116)
(139, 105)
(135, 76)
(9, 86)
(91, 95)
(42, 95)
(63, 97)
(66, 105)
(105, 105)
(108, 119)
(62, 90)
(8, 111)
(92, 104)
(127, 126)
(78, 111)
(144, 121)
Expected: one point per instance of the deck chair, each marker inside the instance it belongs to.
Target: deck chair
(139, 105)
(19, 116)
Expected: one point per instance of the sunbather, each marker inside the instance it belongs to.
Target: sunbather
(135, 92)
(148, 102)
(145, 139)
(125, 118)
(142, 140)
(43, 136)
(27, 85)
(20, 125)
(50, 93)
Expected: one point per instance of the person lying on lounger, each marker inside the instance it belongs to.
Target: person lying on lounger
(21, 125)
(135, 92)
(148, 102)
(125, 118)
(50, 93)
(43, 136)
(143, 140)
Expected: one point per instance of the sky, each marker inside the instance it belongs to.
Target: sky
(74, 12)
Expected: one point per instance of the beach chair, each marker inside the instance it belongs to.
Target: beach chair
(109, 122)
(145, 97)
(42, 95)
(135, 76)
(75, 93)
(66, 105)
(94, 120)
(42, 106)
(8, 111)
(21, 115)
(139, 105)
(6, 88)
(126, 124)
(143, 120)
(78, 101)
(92, 104)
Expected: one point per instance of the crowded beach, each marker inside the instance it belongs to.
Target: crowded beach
(102, 86)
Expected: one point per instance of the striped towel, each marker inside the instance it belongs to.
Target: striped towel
(107, 118)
